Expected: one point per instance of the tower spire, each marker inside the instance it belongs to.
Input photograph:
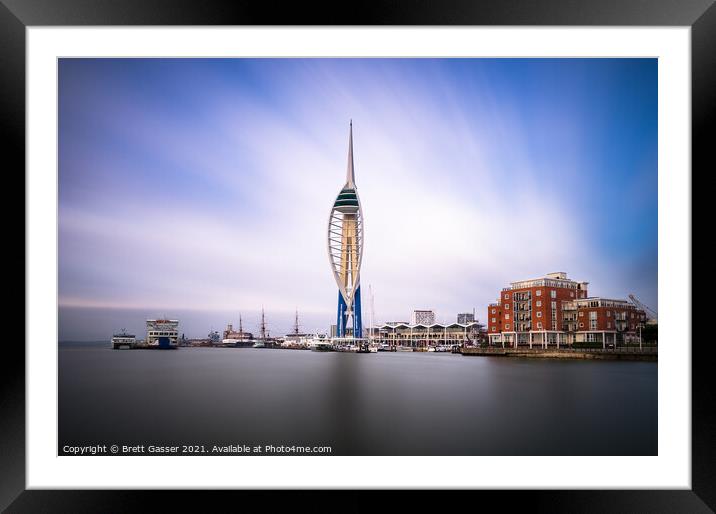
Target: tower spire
(350, 175)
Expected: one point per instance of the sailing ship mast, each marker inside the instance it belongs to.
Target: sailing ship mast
(263, 325)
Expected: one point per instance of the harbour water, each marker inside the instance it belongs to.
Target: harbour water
(398, 403)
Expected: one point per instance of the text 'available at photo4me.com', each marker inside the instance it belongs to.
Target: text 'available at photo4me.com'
(155, 449)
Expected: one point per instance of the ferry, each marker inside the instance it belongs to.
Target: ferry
(123, 341)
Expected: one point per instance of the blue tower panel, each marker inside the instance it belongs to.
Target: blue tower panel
(341, 321)
(357, 322)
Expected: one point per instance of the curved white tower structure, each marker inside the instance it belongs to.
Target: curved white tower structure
(345, 251)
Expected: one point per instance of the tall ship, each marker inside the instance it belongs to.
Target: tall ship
(261, 342)
(237, 338)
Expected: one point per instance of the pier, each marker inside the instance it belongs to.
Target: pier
(624, 353)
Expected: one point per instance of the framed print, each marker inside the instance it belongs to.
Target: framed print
(418, 249)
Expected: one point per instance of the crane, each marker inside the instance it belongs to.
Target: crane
(651, 313)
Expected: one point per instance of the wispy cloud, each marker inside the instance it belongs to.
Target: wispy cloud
(213, 193)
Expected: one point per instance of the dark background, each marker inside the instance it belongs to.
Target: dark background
(15, 15)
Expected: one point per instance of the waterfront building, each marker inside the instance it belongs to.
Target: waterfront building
(466, 317)
(162, 332)
(422, 318)
(605, 320)
(554, 310)
(345, 251)
(428, 335)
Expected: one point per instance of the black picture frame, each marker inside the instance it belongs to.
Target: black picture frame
(17, 15)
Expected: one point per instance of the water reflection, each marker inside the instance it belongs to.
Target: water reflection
(373, 404)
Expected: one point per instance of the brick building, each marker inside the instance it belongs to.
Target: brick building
(555, 310)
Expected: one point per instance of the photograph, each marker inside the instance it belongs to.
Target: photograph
(376, 256)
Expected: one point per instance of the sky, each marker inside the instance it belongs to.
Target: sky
(201, 188)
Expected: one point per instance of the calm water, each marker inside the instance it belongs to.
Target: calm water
(375, 404)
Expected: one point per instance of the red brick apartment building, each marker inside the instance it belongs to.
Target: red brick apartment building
(555, 310)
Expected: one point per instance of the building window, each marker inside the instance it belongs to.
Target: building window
(493, 320)
(539, 324)
(554, 306)
(581, 325)
(539, 292)
(592, 315)
(539, 314)
(571, 294)
(632, 315)
(539, 303)
(553, 293)
(507, 316)
(507, 326)
(581, 314)
(494, 329)
(507, 306)
(507, 296)
(493, 311)
(609, 314)
(609, 324)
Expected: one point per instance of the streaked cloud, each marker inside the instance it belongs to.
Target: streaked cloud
(205, 185)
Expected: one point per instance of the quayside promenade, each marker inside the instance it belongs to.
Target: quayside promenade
(627, 353)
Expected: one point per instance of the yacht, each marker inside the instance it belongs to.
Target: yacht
(322, 346)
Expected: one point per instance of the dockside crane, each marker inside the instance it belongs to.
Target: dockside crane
(649, 312)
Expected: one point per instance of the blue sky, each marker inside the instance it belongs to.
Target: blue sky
(203, 186)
